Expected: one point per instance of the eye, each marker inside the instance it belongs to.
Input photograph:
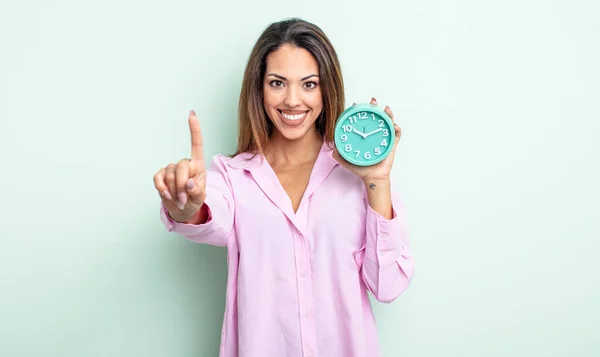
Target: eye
(276, 83)
(311, 85)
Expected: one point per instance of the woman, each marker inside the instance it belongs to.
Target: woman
(307, 233)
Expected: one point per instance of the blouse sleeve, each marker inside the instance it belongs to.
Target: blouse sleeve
(387, 265)
(219, 201)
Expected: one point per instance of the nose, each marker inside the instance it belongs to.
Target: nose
(292, 98)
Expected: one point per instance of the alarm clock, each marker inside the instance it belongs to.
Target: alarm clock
(364, 134)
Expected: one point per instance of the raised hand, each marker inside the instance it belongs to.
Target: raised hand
(182, 186)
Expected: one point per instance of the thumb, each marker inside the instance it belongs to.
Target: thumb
(195, 185)
(196, 190)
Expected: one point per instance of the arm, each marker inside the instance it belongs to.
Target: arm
(387, 265)
(214, 222)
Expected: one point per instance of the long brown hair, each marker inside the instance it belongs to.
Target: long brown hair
(254, 127)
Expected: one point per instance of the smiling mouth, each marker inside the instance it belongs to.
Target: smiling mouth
(292, 115)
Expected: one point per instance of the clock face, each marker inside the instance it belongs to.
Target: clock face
(364, 135)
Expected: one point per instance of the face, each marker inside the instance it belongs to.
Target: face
(292, 94)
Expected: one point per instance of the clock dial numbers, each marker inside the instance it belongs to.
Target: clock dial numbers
(364, 136)
(355, 118)
(367, 155)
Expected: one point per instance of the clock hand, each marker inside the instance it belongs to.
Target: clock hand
(359, 133)
(372, 132)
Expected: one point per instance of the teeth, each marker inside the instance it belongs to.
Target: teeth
(294, 116)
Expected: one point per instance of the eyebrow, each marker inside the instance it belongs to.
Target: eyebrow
(285, 79)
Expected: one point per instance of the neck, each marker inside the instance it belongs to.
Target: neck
(291, 152)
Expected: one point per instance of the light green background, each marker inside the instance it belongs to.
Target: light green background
(498, 165)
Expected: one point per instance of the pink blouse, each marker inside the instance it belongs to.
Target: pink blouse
(297, 282)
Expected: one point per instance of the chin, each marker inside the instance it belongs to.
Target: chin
(293, 135)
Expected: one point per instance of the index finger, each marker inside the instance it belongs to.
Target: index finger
(196, 135)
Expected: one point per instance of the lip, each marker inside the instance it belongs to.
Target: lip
(289, 122)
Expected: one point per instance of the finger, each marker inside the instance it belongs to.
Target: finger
(195, 171)
(161, 187)
(397, 129)
(181, 177)
(388, 111)
(195, 192)
(170, 180)
(398, 133)
(193, 176)
(196, 136)
(195, 186)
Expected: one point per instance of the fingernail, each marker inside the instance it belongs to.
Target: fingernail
(167, 195)
(192, 112)
(190, 185)
(373, 99)
(182, 198)
(180, 206)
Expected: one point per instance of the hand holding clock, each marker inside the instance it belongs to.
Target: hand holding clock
(368, 156)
